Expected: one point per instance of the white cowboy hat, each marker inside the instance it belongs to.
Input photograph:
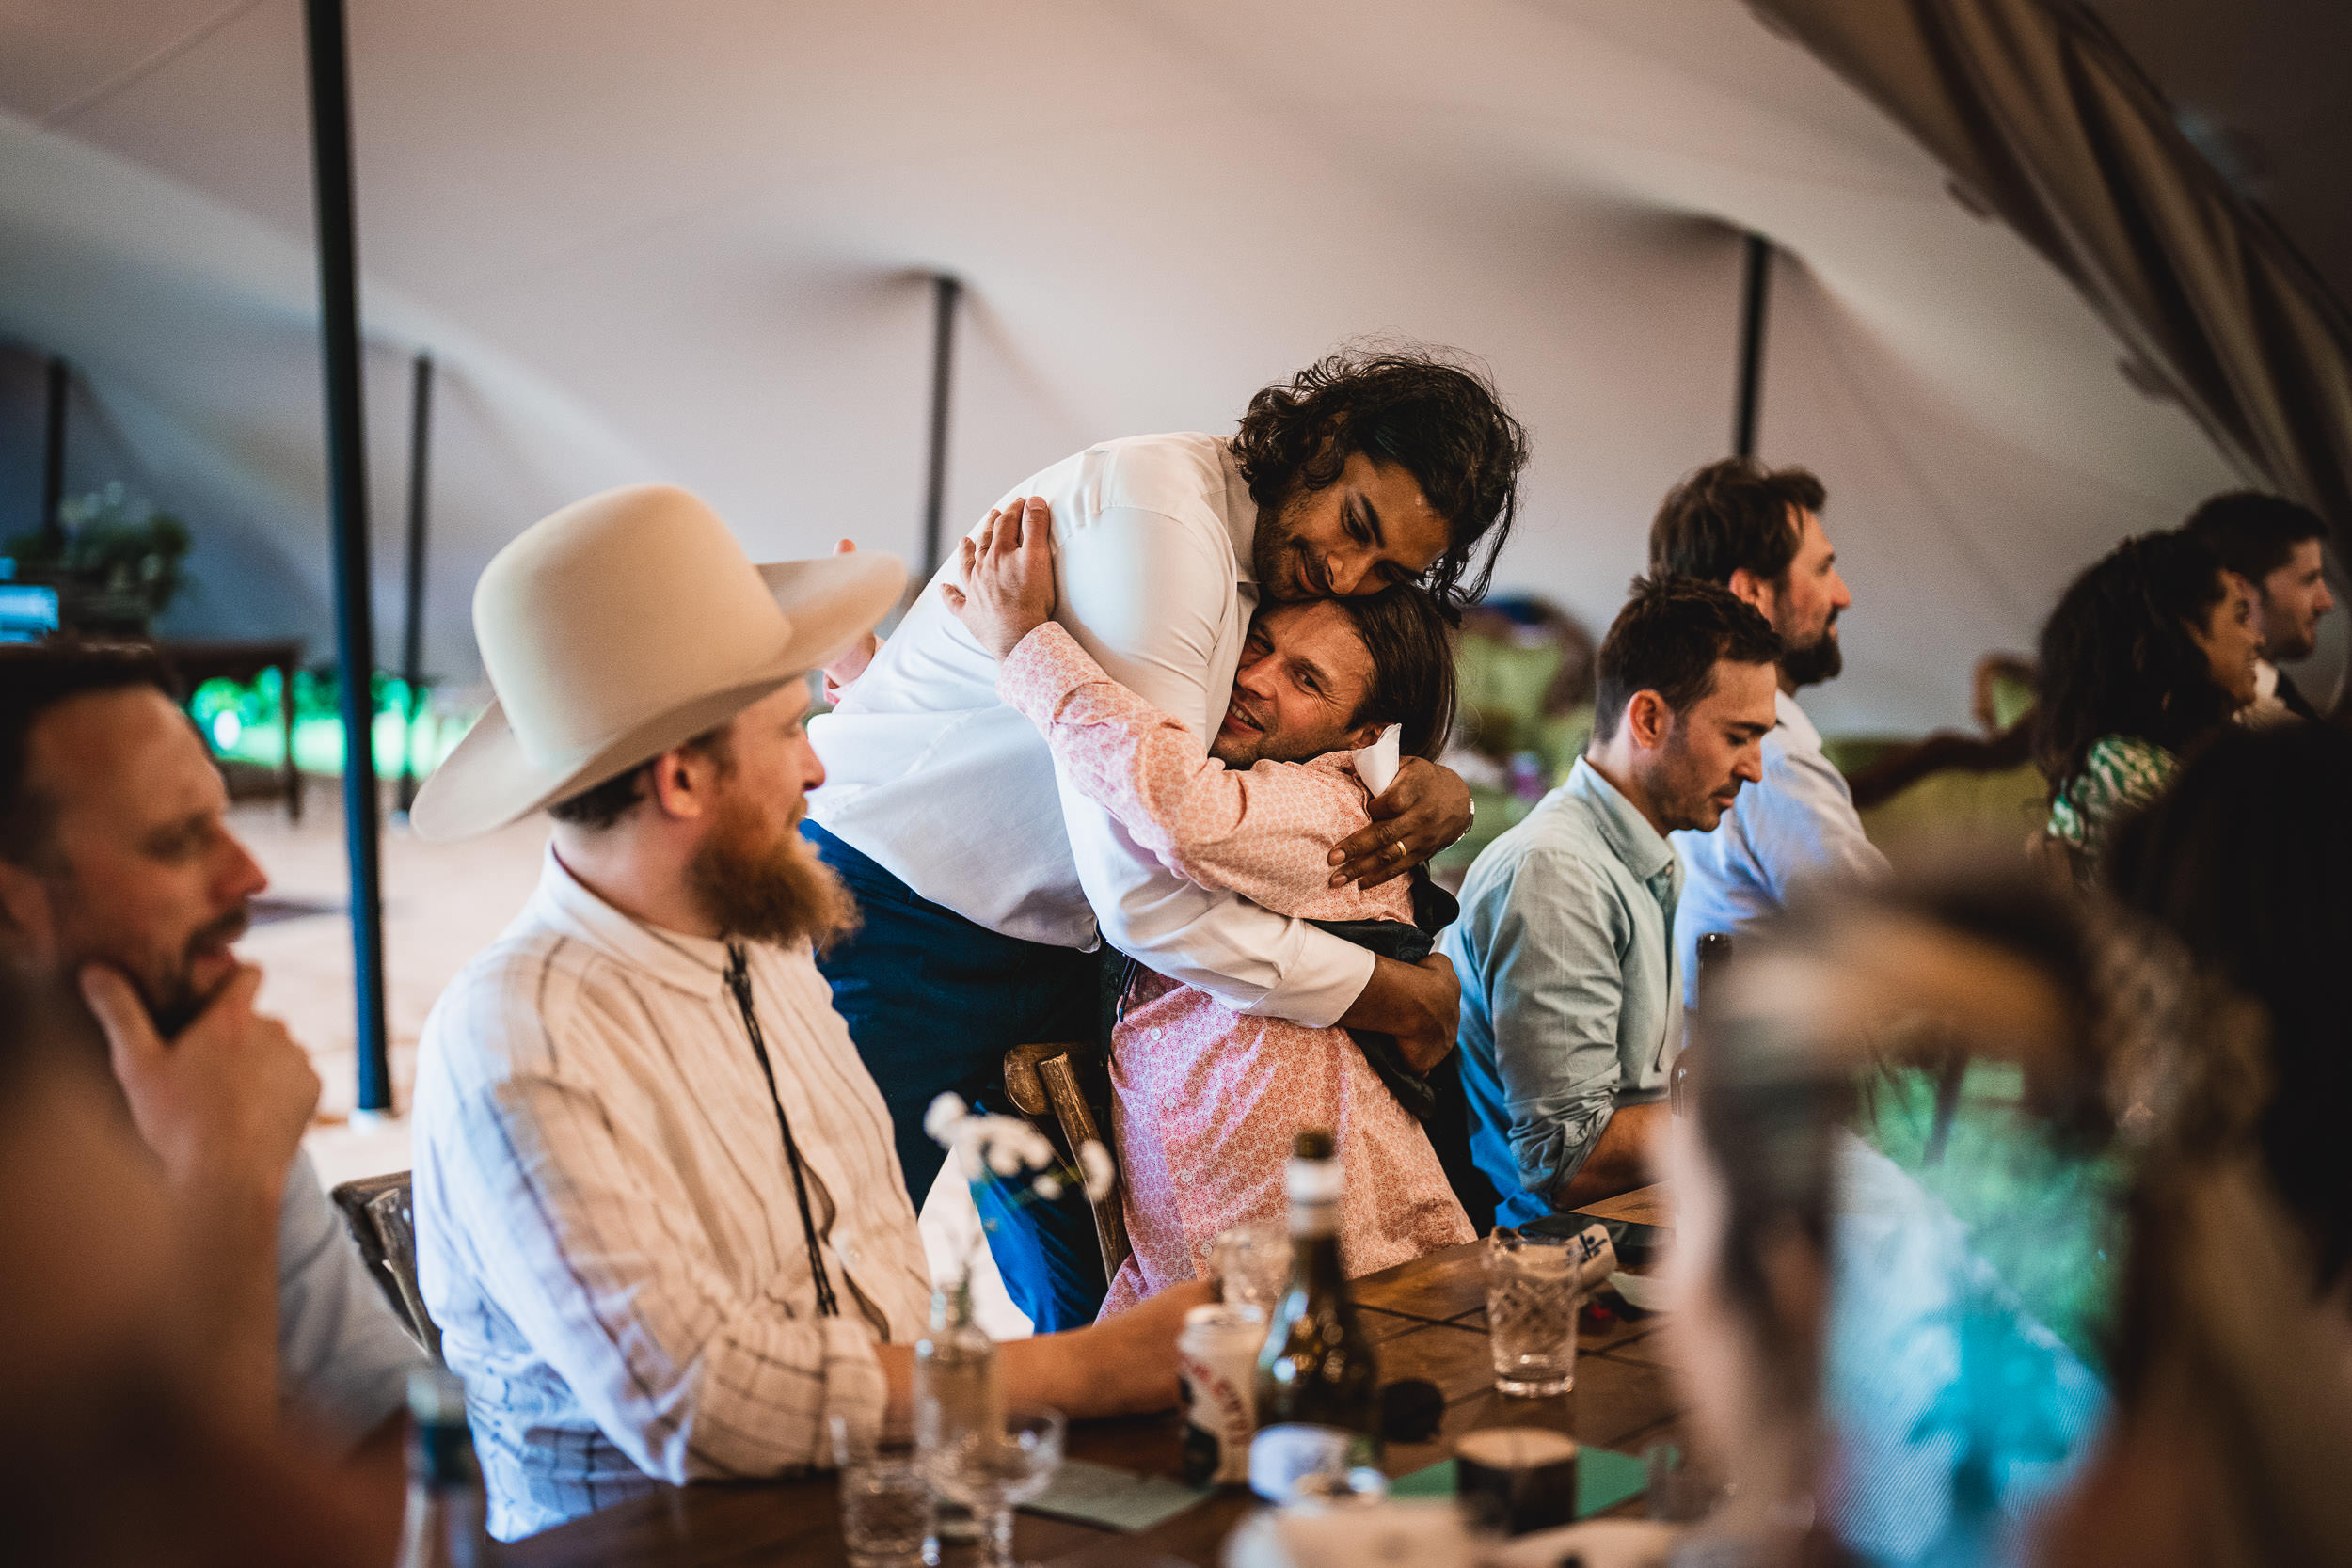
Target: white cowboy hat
(625, 624)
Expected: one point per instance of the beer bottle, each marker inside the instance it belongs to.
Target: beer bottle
(1318, 1395)
(444, 1524)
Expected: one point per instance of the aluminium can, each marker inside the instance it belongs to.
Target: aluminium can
(1217, 1353)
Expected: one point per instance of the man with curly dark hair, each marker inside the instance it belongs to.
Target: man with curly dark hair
(989, 888)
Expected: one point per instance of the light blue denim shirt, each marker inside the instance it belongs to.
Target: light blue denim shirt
(1799, 823)
(1570, 1004)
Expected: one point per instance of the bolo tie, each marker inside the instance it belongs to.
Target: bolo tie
(739, 983)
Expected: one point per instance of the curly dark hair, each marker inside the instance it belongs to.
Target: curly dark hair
(2117, 655)
(1668, 639)
(1732, 513)
(1435, 413)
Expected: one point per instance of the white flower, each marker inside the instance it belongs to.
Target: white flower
(1095, 1162)
(945, 1116)
(1004, 1157)
(1047, 1187)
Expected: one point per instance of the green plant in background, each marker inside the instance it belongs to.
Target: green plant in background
(243, 721)
(115, 560)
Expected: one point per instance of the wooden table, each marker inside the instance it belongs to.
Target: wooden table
(1427, 1319)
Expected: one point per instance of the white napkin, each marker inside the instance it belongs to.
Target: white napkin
(1377, 763)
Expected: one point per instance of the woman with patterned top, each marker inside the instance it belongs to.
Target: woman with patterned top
(2148, 650)
(1207, 1101)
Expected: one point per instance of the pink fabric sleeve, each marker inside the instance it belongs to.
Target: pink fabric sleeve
(1263, 833)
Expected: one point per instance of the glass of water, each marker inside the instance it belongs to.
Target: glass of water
(993, 1462)
(886, 1509)
(1254, 1259)
(1531, 1301)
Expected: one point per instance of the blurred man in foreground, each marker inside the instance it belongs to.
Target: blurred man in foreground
(659, 1219)
(119, 874)
(1571, 1013)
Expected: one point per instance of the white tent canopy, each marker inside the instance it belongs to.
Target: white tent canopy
(691, 242)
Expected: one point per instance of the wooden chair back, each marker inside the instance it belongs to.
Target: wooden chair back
(382, 1215)
(1041, 1080)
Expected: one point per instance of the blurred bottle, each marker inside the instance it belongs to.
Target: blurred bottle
(955, 1391)
(446, 1506)
(1714, 952)
(1318, 1389)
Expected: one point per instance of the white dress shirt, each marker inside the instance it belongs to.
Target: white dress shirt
(932, 776)
(1798, 824)
(606, 1227)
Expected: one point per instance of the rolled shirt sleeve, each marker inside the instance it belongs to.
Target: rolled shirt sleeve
(343, 1359)
(1145, 594)
(1554, 979)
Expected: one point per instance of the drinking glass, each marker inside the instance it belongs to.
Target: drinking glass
(1531, 1301)
(886, 1511)
(991, 1464)
(1254, 1261)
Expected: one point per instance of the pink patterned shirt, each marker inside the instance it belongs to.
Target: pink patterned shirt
(1208, 1099)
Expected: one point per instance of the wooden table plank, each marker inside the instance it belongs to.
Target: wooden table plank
(1650, 1205)
(1437, 1287)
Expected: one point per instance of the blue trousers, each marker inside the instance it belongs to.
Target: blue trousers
(933, 1002)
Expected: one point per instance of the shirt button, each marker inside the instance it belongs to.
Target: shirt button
(848, 1255)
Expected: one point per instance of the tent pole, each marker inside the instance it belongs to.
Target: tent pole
(412, 632)
(53, 457)
(348, 495)
(948, 292)
(1755, 294)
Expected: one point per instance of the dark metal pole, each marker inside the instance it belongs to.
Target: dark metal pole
(1755, 294)
(942, 366)
(412, 633)
(53, 460)
(348, 495)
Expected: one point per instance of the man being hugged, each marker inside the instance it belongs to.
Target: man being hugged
(1571, 1013)
(659, 1219)
(991, 883)
(1208, 1101)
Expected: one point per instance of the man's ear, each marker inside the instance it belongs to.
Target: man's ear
(677, 784)
(1647, 718)
(1753, 590)
(28, 917)
(1360, 737)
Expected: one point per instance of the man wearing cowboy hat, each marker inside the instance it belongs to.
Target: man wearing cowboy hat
(661, 1222)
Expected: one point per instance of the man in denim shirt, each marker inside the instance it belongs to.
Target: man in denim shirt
(1571, 1014)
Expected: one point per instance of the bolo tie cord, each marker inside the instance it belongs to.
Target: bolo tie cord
(739, 982)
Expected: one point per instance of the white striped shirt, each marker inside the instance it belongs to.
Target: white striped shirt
(606, 1227)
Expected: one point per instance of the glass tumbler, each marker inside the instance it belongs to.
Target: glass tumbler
(887, 1510)
(1531, 1301)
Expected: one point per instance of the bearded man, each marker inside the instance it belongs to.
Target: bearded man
(1758, 532)
(120, 874)
(660, 1221)
(989, 883)
(2280, 549)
